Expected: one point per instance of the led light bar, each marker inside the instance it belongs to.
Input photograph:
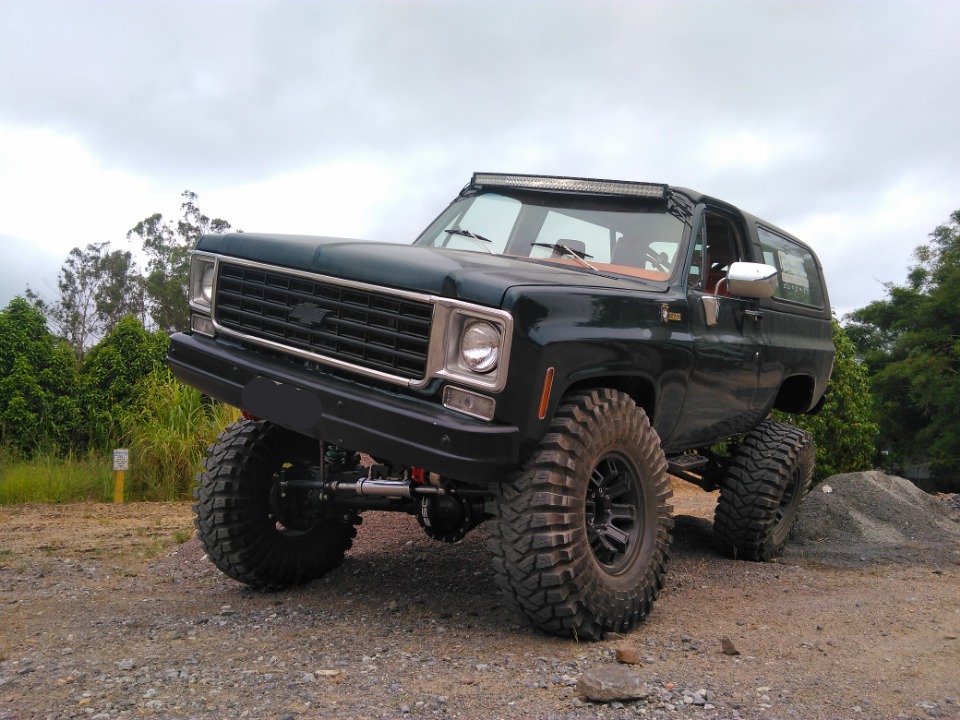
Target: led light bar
(567, 184)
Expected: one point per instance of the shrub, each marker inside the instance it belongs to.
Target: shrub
(111, 376)
(38, 384)
(167, 430)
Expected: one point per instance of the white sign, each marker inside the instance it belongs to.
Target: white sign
(121, 459)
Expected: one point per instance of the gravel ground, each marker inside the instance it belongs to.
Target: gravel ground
(110, 611)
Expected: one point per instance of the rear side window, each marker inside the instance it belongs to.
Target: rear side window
(797, 277)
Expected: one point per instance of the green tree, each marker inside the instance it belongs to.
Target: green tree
(111, 375)
(844, 429)
(168, 269)
(38, 383)
(911, 344)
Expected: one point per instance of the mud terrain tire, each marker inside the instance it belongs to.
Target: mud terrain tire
(249, 529)
(761, 491)
(580, 536)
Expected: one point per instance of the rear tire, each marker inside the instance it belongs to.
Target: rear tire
(761, 491)
(580, 536)
(250, 530)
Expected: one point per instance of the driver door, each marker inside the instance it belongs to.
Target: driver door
(721, 392)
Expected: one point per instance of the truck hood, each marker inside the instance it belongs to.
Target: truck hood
(477, 277)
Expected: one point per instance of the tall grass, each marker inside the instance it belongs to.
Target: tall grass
(167, 432)
(52, 479)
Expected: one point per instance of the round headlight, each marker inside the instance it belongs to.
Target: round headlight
(480, 346)
(206, 284)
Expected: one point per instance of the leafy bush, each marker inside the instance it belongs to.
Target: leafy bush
(111, 376)
(38, 383)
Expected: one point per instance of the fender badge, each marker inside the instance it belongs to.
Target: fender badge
(667, 316)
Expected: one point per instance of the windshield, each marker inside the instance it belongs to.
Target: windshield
(604, 234)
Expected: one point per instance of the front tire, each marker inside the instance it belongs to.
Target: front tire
(766, 480)
(253, 532)
(580, 536)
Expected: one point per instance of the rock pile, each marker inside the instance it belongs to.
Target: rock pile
(874, 517)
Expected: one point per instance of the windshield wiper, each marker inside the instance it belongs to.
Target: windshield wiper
(473, 236)
(577, 255)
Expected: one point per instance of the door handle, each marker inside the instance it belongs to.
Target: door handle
(757, 315)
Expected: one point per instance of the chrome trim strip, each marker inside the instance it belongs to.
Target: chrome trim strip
(406, 294)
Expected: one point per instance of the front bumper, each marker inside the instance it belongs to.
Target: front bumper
(389, 427)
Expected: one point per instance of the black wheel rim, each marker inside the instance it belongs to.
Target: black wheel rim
(290, 510)
(614, 513)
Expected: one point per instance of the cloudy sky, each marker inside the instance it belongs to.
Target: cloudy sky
(838, 121)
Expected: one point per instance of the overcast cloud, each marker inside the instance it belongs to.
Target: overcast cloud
(837, 120)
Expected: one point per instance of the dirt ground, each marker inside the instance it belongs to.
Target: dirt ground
(113, 611)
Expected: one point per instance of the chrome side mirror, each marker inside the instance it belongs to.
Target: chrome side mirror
(752, 280)
(744, 279)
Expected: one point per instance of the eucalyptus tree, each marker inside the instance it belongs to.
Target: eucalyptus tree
(167, 247)
(97, 287)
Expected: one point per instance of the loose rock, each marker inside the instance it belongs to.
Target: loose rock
(628, 655)
(728, 647)
(613, 682)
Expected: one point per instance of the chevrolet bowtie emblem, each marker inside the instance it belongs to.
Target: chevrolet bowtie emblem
(309, 314)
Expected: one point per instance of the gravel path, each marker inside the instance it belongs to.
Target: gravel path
(104, 615)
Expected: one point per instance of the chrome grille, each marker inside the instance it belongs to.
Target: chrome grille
(370, 329)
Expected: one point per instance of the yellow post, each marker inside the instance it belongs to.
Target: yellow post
(118, 486)
(121, 462)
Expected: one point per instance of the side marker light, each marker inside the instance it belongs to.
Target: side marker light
(545, 395)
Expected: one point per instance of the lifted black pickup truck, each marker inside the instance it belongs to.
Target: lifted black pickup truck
(541, 358)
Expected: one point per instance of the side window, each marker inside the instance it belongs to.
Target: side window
(797, 279)
(718, 245)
